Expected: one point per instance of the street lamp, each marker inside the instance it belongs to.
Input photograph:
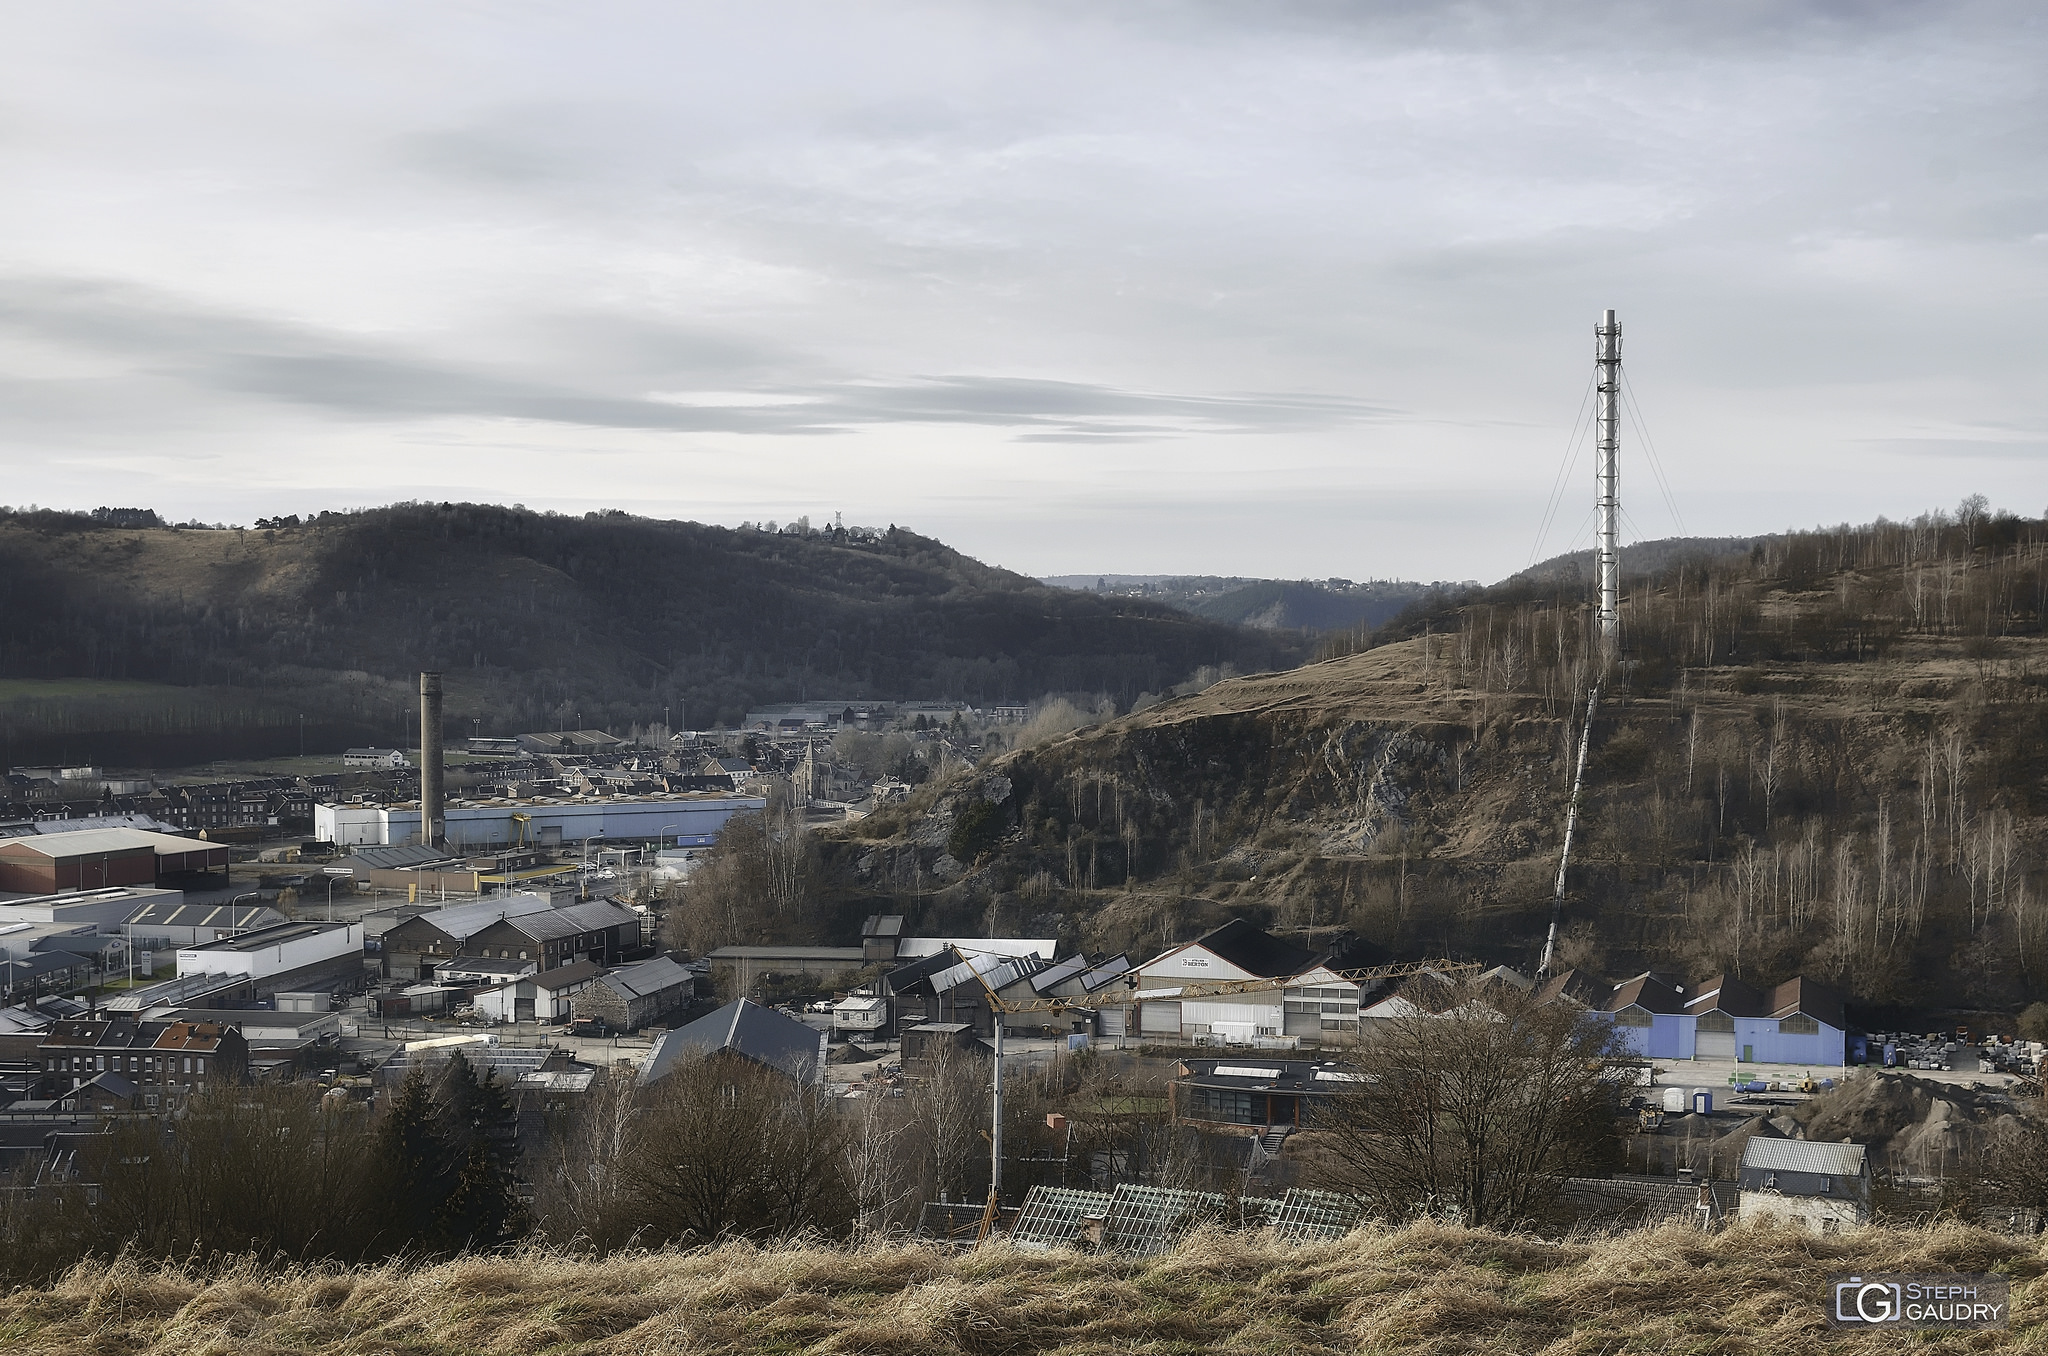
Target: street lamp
(233, 930)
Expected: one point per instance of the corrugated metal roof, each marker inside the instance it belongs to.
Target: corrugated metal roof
(87, 842)
(1800, 1155)
(648, 976)
(552, 923)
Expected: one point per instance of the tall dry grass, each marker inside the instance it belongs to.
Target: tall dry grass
(1421, 1288)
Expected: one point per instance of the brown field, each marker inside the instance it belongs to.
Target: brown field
(1421, 1288)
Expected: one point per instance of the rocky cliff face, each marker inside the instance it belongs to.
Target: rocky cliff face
(1868, 823)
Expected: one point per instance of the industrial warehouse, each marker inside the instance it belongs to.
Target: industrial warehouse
(683, 819)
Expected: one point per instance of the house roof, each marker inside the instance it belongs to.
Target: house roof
(976, 971)
(567, 976)
(1254, 950)
(882, 925)
(45, 963)
(113, 1084)
(1648, 992)
(1508, 975)
(795, 953)
(905, 977)
(1291, 1075)
(1801, 1155)
(191, 1036)
(89, 1032)
(648, 977)
(501, 967)
(1041, 947)
(747, 1029)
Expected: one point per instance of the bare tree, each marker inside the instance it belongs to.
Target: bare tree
(582, 1192)
(758, 884)
(719, 1147)
(1479, 1112)
(949, 1104)
(877, 1164)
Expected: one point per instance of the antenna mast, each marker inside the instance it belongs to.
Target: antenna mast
(1607, 554)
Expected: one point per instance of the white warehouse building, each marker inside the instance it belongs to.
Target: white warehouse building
(273, 950)
(684, 820)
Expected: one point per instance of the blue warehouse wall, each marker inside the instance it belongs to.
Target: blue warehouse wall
(1673, 1036)
(1767, 1045)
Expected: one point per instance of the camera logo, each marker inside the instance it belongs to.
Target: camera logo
(1872, 1301)
(1954, 1300)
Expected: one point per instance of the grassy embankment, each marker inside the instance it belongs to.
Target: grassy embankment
(1423, 1288)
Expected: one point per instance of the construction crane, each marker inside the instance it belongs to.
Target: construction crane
(1000, 1007)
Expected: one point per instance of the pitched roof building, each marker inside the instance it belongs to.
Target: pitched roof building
(632, 996)
(742, 1030)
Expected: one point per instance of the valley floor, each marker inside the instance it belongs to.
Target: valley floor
(1422, 1288)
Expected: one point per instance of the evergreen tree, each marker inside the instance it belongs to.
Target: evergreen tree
(478, 1126)
(415, 1165)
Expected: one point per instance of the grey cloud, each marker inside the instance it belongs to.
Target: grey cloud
(361, 379)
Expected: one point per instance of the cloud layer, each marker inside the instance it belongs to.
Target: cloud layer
(1294, 289)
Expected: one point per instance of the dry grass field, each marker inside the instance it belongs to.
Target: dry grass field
(1421, 1288)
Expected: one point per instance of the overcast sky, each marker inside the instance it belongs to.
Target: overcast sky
(1144, 287)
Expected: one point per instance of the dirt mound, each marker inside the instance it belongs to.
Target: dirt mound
(1911, 1122)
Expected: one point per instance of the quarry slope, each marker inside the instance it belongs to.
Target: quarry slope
(1867, 807)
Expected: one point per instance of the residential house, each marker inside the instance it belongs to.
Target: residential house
(1822, 1187)
(163, 1059)
(374, 758)
(738, 771)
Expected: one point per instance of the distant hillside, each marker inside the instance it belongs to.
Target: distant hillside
(600, 620)
(1269, 604)
(1645, 557)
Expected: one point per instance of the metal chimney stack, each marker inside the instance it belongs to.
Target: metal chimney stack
(1607, 554)
(433, 818)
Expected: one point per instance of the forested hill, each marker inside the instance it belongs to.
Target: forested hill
(605, 619)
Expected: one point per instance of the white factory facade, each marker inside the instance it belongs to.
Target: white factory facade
(683, 820)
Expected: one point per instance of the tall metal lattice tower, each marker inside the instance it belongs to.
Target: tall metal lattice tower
(1607, 553)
